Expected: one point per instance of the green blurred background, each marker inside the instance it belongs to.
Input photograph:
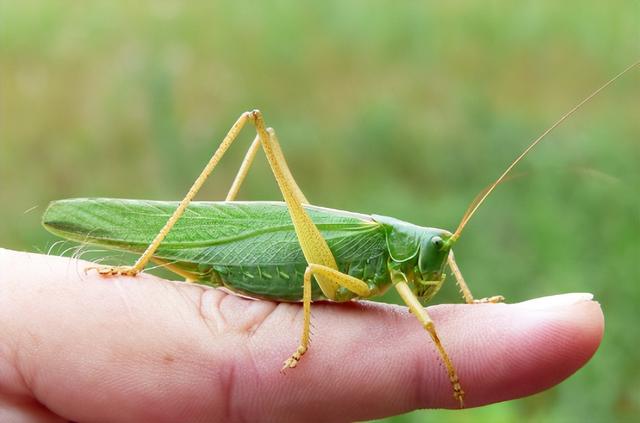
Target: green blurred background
(398, 108)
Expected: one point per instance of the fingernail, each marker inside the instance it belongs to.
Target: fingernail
(556, 301)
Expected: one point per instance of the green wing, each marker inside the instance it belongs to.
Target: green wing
(213, 233)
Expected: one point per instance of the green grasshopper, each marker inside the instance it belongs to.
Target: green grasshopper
(289, 251)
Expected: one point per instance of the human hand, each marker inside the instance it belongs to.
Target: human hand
(82, 347)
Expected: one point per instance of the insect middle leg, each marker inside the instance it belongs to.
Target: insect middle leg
(188, 276)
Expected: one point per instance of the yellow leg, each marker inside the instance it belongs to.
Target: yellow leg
(188, 276)
(354, 285)
(422, 315)
(244, 169)
(464, 288)
(313, 242)
(322, 264)
(292, 361)
(275, 144)
(200, 180)
(248, 161)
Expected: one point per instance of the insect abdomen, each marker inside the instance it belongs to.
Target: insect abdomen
(284, 282)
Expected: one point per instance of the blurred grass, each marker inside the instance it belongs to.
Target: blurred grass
(404, 109)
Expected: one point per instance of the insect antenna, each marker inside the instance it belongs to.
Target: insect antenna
(477, 202)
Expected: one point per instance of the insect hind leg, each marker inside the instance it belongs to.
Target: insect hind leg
(244, 169)
(142, 261)
(313, 245)
(351, 283)
(248, 161)
(321, 262)
(292, 361)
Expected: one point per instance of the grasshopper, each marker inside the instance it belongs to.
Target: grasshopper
(287, 251)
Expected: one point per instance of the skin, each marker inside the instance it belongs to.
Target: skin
(84, 348)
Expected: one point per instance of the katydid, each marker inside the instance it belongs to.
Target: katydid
(282, 251)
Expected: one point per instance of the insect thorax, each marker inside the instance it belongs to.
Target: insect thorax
(417, 255)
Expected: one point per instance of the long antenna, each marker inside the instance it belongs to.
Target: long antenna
(477, 202)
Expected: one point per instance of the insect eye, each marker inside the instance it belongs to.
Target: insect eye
(437, 242)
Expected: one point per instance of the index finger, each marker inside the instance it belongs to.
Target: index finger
(145, 349)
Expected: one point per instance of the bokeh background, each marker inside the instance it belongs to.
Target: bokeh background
(400, 108)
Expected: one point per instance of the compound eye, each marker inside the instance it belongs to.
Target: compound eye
(437, 242)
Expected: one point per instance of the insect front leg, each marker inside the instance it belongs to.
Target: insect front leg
(421, 314)
(354, 285)
(464, 288)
